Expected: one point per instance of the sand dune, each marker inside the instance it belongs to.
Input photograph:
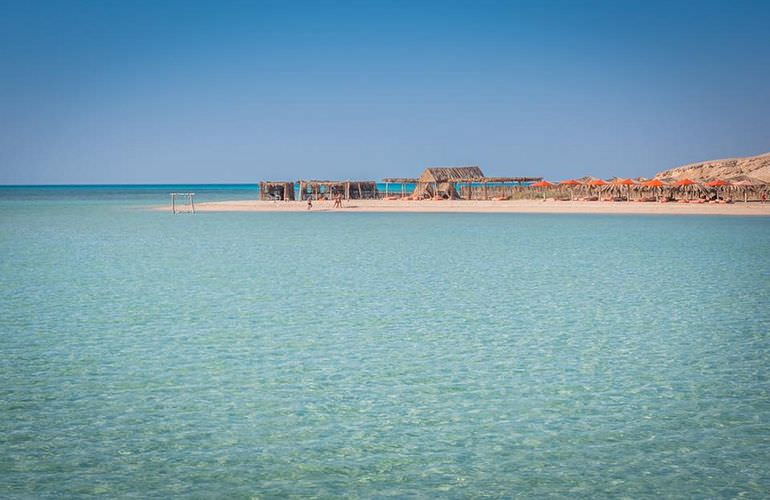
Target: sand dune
(757, 167)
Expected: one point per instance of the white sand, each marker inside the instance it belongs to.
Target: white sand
(517, 206)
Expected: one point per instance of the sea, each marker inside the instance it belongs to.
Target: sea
(373, 355)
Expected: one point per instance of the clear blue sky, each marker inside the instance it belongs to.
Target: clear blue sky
(186, 91)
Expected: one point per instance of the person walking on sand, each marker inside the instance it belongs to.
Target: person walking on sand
(309, 203)
(338, 201)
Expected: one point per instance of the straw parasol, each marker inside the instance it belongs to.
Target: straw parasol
(544, 185)
(571, 184)
(597, 183)
(655, 184)
(743, 186)
(716, 184)
(688, 186)
(746, 184)
(623, 184)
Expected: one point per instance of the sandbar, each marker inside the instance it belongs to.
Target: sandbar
(479, 206)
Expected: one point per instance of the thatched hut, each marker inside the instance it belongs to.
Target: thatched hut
(439, 182)
(276, 190)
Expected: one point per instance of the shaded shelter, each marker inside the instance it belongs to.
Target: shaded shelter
(571, 184)
(619, 188)
(327, 190)
(276, 190)
(401, 181)
(689, 188)
(595, 185)
(439, 182)
(717, 184)
(655, 186)
(748, 186)
(543, 186)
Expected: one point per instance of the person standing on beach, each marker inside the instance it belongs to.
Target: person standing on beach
(309, 203)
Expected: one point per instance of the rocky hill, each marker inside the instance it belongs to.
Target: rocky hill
(757, 167)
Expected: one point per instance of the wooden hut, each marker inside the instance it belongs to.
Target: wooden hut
(439, 182)
(280, 190)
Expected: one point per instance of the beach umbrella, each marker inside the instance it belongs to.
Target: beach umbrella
(571, 184)
(744, 185)
(595, 183)
(716, 184)
(747, 184)
(544, 185)
(624, 182)
(682, 184)
(655, 184)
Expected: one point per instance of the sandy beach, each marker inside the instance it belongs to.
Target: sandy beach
(463, 206)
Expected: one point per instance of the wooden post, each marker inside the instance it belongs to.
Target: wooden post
(173, 203)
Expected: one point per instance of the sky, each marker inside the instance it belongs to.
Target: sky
(156, 91)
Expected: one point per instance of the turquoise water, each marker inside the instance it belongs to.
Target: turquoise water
(336, 354)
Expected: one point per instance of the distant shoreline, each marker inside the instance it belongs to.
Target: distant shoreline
(478, 206)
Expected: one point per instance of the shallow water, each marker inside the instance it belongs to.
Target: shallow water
(338, 354)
